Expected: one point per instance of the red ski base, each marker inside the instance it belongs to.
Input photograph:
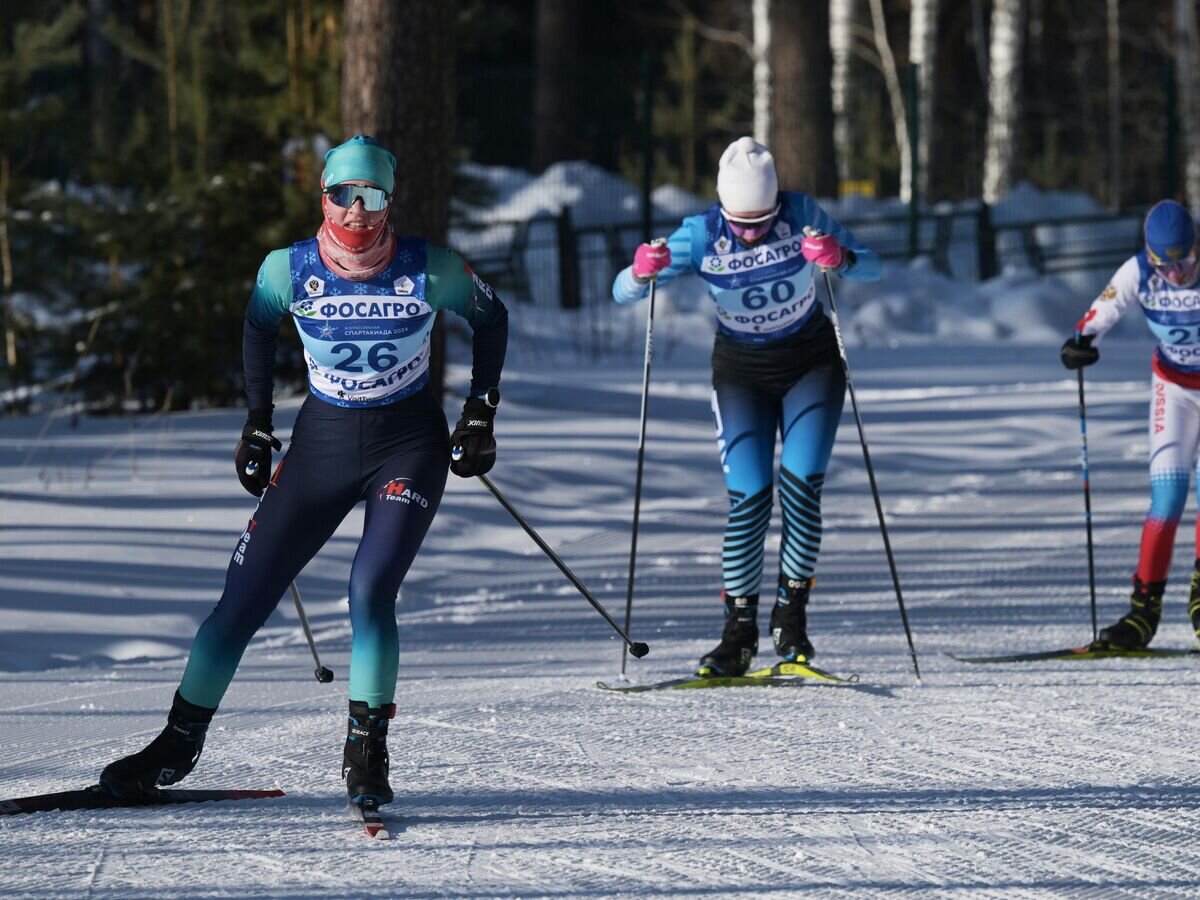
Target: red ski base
(373, 825)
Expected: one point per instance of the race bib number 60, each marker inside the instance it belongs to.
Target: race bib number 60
(758, 296)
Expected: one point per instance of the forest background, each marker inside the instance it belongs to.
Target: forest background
(153, 151)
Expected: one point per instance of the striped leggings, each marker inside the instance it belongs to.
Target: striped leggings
(747, 420)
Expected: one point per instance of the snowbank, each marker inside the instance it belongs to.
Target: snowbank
(914, 302)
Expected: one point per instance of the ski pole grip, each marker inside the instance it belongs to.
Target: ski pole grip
(657, 242)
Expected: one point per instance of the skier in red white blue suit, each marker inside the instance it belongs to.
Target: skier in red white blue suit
(1164, 280)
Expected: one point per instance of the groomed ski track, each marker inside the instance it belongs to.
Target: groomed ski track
(514, 775)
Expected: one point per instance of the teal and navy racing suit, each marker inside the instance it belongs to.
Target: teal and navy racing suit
(371, 430)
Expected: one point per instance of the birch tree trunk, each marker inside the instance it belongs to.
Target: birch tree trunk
(922, 52)
(398, 86)
(762, 70)
(841, 24)
(1187, 69)
(891, 77)
(801, 100)
(1004, 87)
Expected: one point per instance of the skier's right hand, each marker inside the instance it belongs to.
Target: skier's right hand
(1078, 352)
(252, 456)
(650, 259)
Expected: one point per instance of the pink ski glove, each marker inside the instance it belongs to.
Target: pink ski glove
(823, 250)
(649, 260)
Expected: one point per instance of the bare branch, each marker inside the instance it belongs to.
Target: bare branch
(708, 32)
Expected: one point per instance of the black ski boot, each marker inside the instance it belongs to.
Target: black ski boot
(1194, 601)
(789, 622)
(365, 759)
(166, 759)
(1135, 629)
(739, 640)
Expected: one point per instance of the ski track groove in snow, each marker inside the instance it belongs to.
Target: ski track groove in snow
(91, 881)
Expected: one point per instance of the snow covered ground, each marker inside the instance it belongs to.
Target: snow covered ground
(515, 776)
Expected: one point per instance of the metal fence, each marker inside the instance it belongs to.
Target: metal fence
(547, 260)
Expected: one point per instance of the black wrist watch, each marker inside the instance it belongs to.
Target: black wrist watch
(491, 397)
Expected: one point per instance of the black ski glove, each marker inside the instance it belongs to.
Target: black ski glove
(472, 447)
(253, 454)
(1079, 352)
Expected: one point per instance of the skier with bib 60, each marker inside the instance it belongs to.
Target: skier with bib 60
(1164, 279)
(363, 300)
(775, 369)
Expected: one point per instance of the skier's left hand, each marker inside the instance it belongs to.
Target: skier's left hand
(1078, 352)
(252, 456)
(472, 447)
(823, 250)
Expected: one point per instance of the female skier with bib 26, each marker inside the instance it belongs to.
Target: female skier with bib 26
(364, 301)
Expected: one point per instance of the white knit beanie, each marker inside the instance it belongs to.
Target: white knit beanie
(746, 180)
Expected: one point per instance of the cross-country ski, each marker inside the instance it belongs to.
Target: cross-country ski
(96, 797)
(778, 675)
(1078, 653)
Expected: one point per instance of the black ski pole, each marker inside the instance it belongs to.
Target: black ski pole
(1087, 502)
(637, 648)
(862, 439)
(322, 674)
(641, 456)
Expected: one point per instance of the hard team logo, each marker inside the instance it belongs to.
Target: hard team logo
(482, 286)
(314, 286)
(239, 555)
(400, 490)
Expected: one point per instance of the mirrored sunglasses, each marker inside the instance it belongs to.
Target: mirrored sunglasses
(749, 223)
(344, 195)
(1177, 270)
(750, 229)
(750, 232)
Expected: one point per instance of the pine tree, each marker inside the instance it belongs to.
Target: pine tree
(35, 51)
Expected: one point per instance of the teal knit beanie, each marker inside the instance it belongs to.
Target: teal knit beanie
(360, 159)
